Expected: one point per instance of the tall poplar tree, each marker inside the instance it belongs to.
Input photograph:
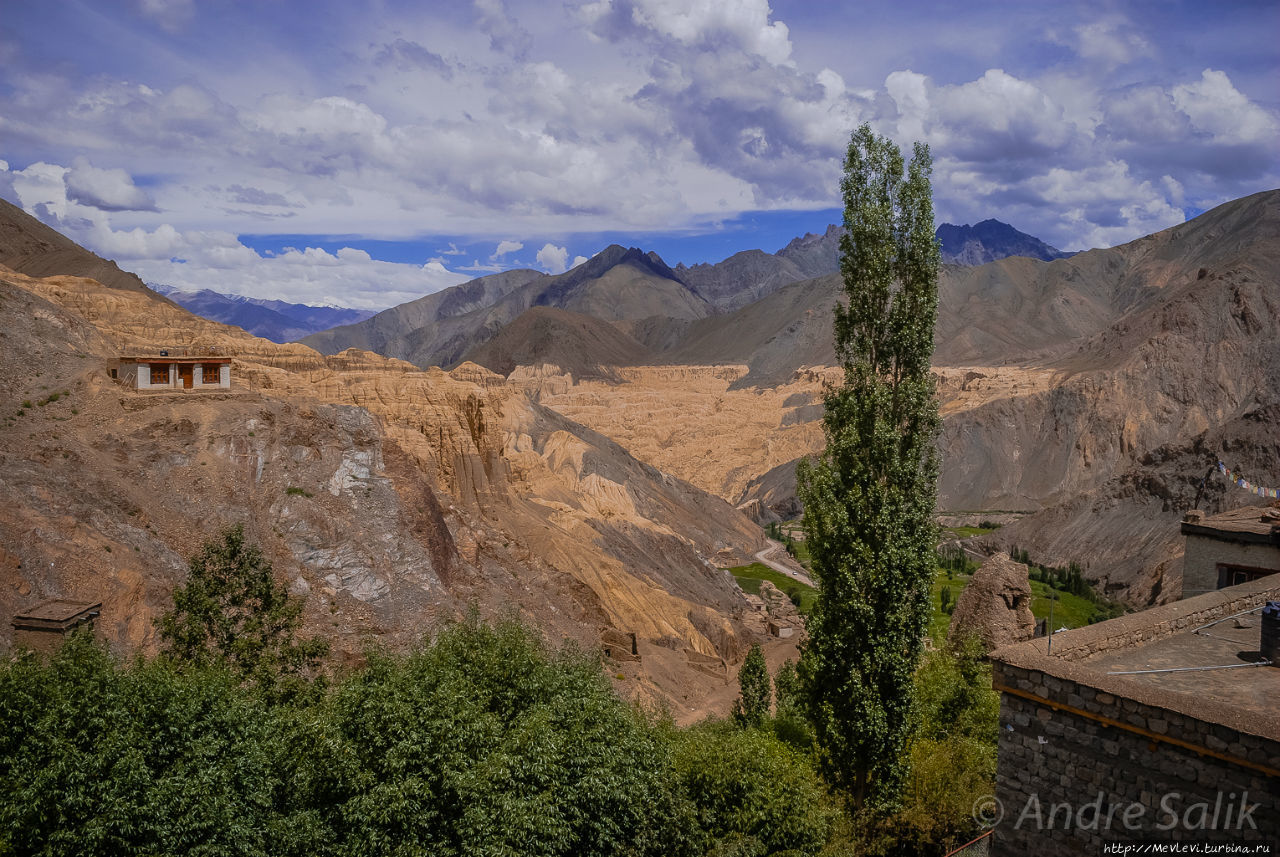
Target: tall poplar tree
(869, 498)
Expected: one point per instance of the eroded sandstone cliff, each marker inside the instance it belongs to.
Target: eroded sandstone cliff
(395, 497)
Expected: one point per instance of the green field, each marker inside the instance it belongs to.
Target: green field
(749, 577)
(1069, 610)
(939, 622)
(967, 532)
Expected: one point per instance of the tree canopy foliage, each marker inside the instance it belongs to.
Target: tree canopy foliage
(869, 499)
(482, 742)
(232, 609)
(756, 694)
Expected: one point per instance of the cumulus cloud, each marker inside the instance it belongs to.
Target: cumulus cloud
(663, 115)
(218, 260)
(109, 190)
(1216, 108)
(506, 248)
(553, 259)
(708, 23)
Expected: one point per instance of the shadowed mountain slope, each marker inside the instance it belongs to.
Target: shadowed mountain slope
(581, 345)
(32, 248)
(616, 284)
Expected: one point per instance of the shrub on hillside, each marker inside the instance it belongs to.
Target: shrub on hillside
(752, 793)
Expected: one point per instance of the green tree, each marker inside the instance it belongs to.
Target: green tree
(752, 706)
(869, 499)
(752, 794)
(231, 609)
(790, 722)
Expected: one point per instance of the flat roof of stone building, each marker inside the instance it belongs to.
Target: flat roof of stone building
(181, 358)
(1250, 520)
(56, 613)
(1212, 662)
(1190, 656)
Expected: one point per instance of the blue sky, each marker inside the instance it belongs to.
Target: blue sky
(364, 154)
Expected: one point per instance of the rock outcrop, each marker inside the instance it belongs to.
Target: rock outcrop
(996, 605)
(396, 497)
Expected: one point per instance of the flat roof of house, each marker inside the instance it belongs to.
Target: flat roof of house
(180, 358)
(1248, 524)
(1191, 657)
(56, 613)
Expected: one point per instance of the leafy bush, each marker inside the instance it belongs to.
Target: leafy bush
(482, 743)
(752, 793)
(485, 744)
(951, 757)
(95, 759)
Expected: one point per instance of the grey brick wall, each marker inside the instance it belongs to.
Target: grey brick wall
(1200, 562)
(1053, 761)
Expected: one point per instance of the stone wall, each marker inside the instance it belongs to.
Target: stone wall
(1203, 554)
(1080, 767)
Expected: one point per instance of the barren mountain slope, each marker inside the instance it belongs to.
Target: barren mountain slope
(413, 493)
(30, 247)
(1142, 347)
(742, 278)
(1126, 533)
(615, 284)
(581, 345)
(382, 332)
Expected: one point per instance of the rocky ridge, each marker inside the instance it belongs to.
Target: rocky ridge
(396, 497)
(1058, 382)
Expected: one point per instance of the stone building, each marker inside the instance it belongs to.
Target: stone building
(173, 371)
(43, 626)
(1230, 548)
(1156, 727)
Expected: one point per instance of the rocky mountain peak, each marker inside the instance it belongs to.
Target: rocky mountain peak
(990, 240)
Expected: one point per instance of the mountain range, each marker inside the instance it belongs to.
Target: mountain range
(603, 442)
(1058, 376)
(989, 241)
(655, 305)
(275, 320)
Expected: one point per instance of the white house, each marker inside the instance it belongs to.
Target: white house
(166, 371)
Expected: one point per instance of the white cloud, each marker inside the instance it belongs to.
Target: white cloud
(553, 259)
(1215, 107)
(1111, 40)
(109, 190)
(577, 260)
(506, 248)
(695, 22)
(997, 117)
(217, 260)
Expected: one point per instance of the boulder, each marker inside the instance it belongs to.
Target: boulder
(996, 605)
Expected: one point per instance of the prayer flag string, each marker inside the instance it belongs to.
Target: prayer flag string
(1239, 481)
